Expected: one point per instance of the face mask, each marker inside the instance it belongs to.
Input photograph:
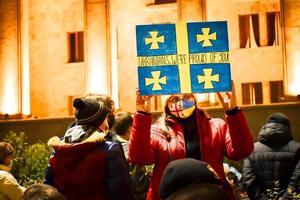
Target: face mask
(182, 108)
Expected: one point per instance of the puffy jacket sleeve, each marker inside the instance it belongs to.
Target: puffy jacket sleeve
(140, 148)
(238, 139)
(295, 178)
(10, 186)
(118, 179)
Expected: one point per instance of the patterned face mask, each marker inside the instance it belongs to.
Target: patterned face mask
(182, 107)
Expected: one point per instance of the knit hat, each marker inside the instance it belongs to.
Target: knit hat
(279, 118)
(90, 112)
(184, 172)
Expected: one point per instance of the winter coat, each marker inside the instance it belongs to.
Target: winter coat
(9, 187)
(149, 144)
(274, 163)
(94, 169)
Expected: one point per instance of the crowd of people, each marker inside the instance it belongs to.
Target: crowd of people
(105, 154)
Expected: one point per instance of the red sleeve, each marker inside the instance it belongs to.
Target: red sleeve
(140, 150)
(238, 138)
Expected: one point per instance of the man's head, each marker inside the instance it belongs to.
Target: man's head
(123, 123)
(110, 104)
(279, 118)
(183, 173)
(276, 131)
(90, 112)
(42, 192)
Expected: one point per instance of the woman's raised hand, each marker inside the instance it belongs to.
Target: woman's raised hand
(143, 103)
(229, 100)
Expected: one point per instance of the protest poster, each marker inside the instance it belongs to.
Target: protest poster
(183, 58)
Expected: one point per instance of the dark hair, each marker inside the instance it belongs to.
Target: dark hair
(5, 150)
(123, 121)
(42, 192)
(201, 191)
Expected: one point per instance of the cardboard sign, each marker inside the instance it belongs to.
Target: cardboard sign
(183, 58)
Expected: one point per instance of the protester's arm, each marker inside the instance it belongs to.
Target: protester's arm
(238, 138)
(118, 177)
(10, 186)
(294, 180)
(140, 149)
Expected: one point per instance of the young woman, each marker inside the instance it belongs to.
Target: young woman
(9, 187)
(186, 131)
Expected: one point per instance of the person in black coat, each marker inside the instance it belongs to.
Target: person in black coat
(272, 171)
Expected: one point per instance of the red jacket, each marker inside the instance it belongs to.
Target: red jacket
(148, 144)
(90, 170)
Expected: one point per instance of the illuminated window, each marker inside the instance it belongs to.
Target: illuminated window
(76, 50)
(250, 33)
(164, 1)
(156, 2)
(252, 93)
(276, 91)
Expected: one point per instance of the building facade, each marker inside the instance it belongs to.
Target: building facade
(52, 51)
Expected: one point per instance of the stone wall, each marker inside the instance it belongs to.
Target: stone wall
(43, 129)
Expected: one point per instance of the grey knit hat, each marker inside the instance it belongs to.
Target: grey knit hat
(90, 112)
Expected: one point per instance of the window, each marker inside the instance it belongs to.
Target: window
(252, 93)
(258, 30)
(156, 2)
(164, 1)
(276, 91)
(76, 50)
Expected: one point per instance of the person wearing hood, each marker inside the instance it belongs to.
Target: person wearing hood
(272, 171)
(85, 166)
(10, 189)
(186, 131)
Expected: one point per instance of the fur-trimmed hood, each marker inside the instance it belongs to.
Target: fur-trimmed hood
(72, 153)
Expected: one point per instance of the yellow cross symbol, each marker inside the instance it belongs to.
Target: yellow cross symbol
(156, 80)
(208, 78)
(206, 37)
(154, 40)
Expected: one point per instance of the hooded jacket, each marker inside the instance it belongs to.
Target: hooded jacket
(88, 170)
(274, 162)
(149, 144)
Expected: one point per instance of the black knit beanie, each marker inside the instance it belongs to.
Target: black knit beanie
(279, 118)
(184, 172)
(90, 112)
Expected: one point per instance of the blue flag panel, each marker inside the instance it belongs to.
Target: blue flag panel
(164, 78)
(183, 58)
